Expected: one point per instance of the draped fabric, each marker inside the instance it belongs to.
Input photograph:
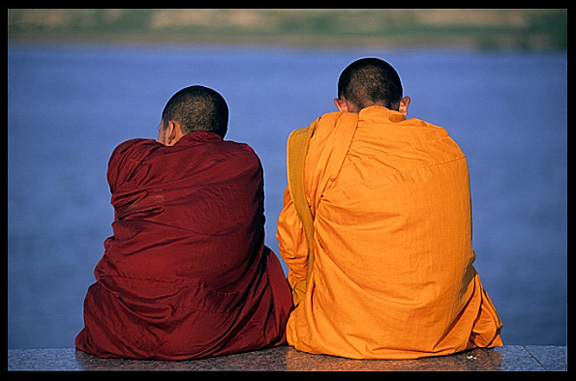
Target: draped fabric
(393, 273)
(186, 274)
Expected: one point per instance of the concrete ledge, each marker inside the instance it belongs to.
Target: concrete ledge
(507, 358)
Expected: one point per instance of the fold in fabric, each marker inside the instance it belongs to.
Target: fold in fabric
(393, 273)
(186, 274)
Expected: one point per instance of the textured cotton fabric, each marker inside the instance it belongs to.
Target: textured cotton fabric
(392, 276)
(186, 274)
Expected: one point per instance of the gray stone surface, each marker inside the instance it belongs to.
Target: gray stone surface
(507, 358)
(549, 356)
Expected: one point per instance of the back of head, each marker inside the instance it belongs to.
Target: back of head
(197, 108)
(369, 81)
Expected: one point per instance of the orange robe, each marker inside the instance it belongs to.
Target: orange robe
(392, 276)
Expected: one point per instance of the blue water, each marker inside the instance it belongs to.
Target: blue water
(68, 107)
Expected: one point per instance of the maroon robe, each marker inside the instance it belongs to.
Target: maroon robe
(186, 274)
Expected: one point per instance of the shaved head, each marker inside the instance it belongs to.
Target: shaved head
(370, 81)
(197, 108)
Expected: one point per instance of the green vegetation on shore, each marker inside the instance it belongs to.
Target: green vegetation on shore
(454, 28)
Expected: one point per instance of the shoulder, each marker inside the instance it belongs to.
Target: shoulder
(203, 142)
(127, 156)
(238, 154)
(136, 147)
(237, 148)
(134, 151)
(332, 115)
(306, 132)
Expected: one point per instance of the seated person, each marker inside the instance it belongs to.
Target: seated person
(186, 274)
(376, 231)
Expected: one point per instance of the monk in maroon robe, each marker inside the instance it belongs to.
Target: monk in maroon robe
(186, 274)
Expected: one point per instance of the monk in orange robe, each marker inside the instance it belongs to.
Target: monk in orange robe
(186, 274)
(376, 231)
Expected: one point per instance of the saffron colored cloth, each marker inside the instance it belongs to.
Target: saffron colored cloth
(186, 274)
(392, 275)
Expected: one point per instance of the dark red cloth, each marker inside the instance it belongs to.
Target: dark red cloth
(186, 274)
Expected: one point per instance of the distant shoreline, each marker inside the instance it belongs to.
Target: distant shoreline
(397, 29)
(290, 41)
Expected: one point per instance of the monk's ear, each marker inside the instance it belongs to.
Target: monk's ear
(404, 103)
(341, 104)
(173, 133)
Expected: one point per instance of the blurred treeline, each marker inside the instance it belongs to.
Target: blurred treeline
(453, 28)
